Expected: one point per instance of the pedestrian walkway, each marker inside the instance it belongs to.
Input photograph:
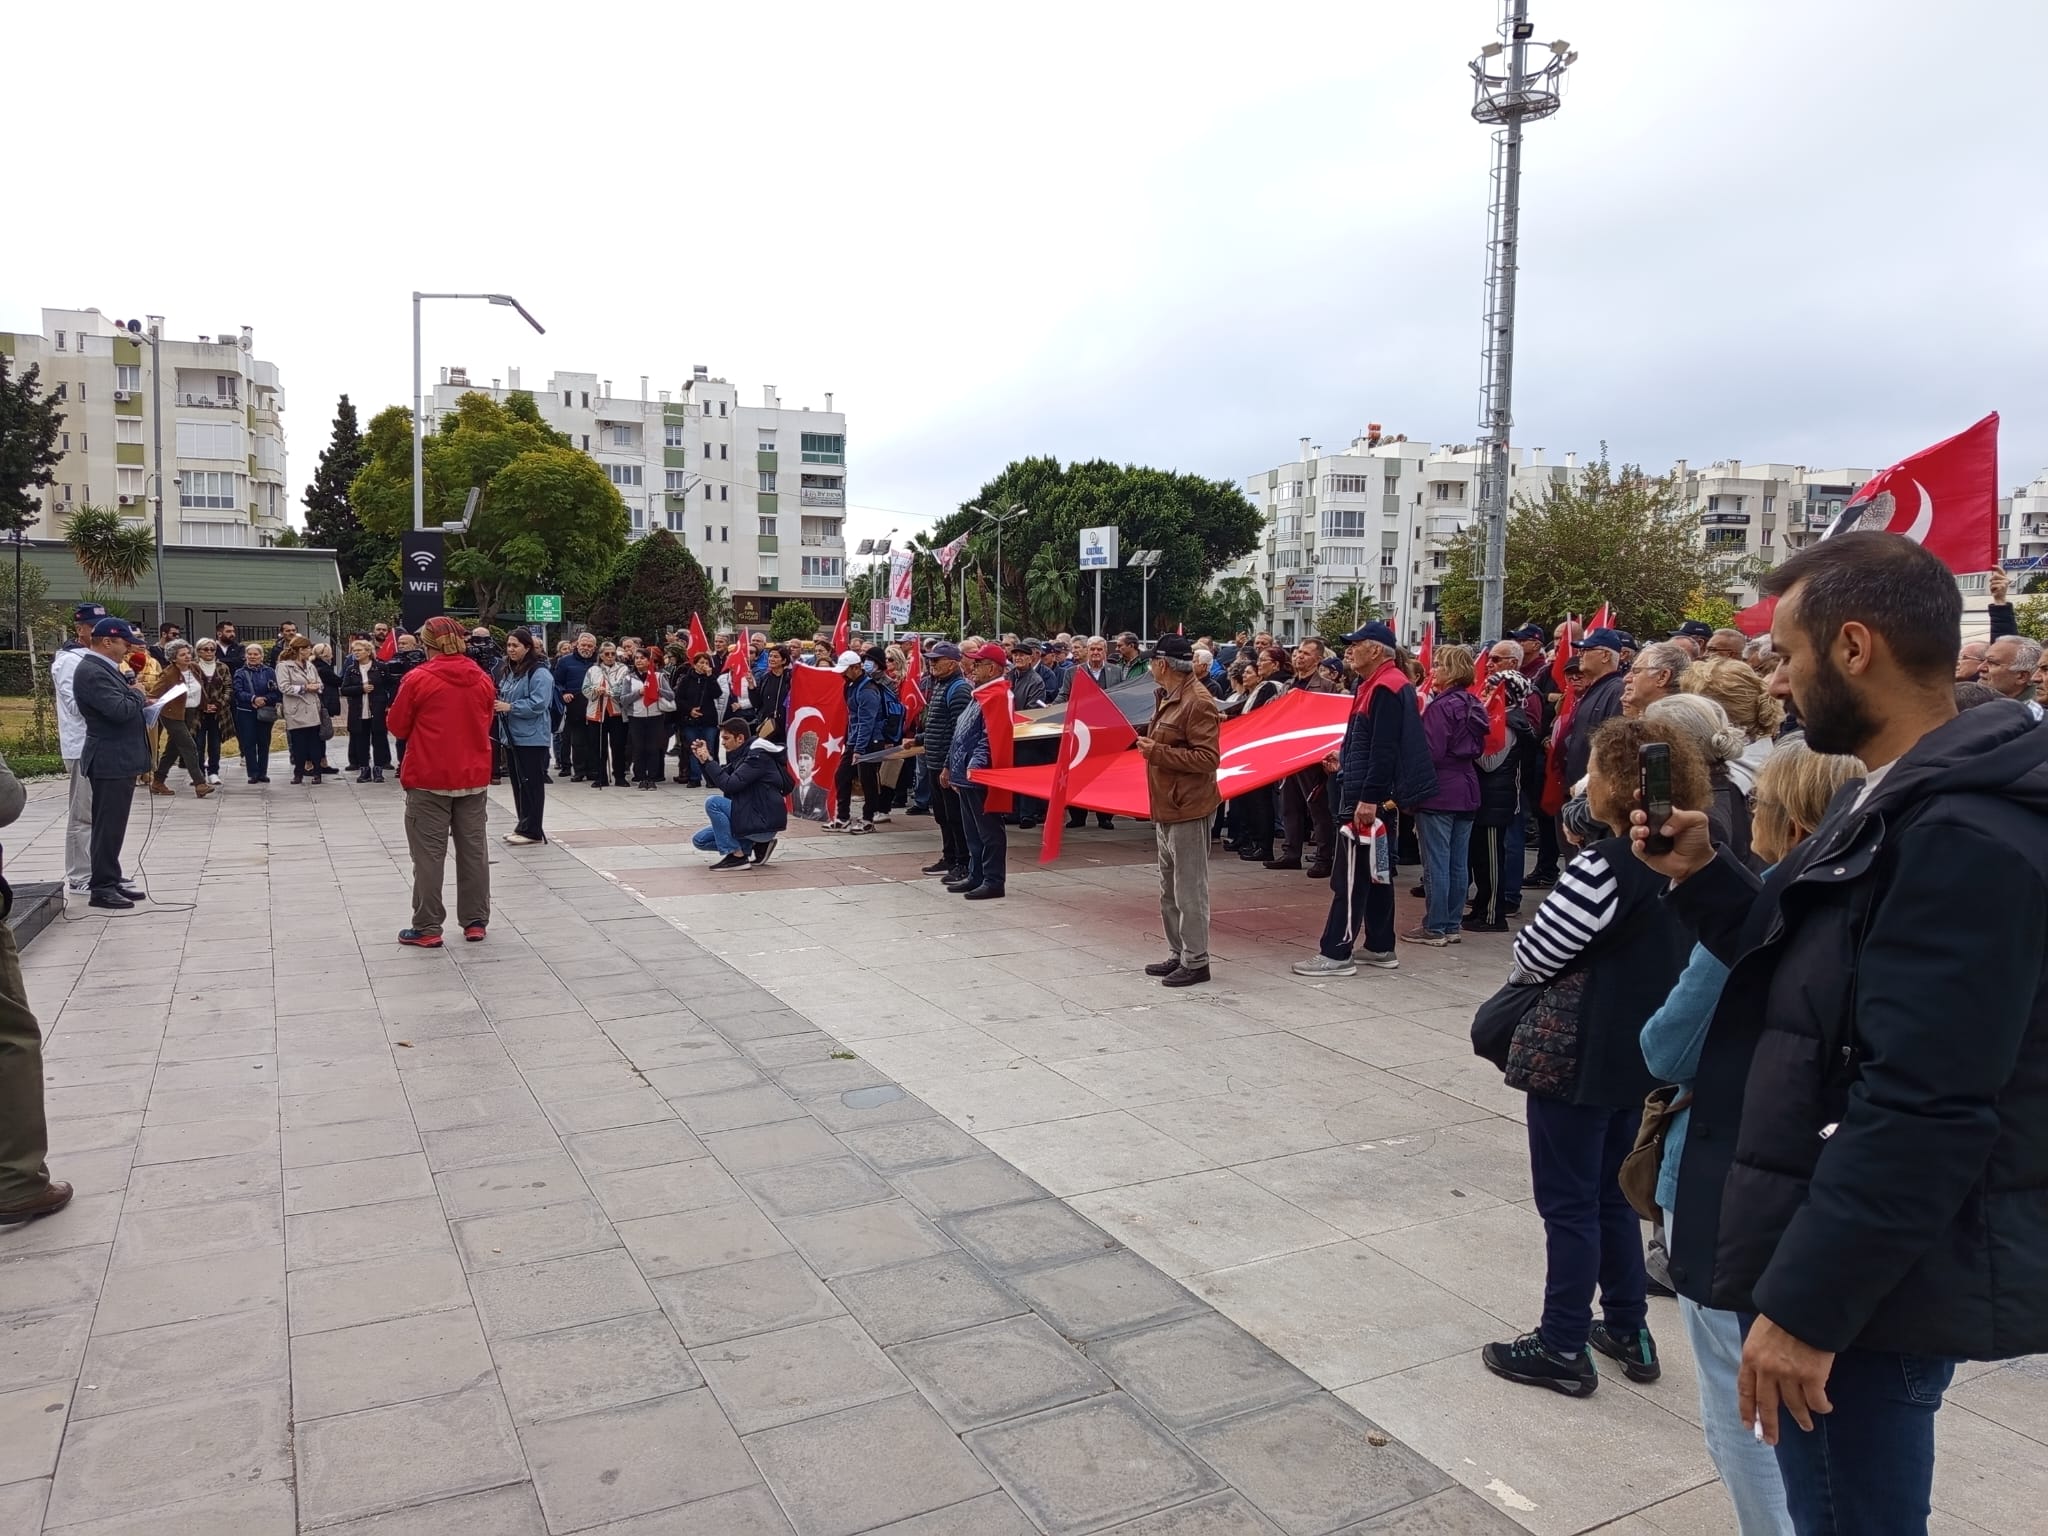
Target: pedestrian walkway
(578, 1229)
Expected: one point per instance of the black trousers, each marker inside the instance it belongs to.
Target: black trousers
(1359, 906)
(111, 801)
(1249, 819)
(206, 731)
(1305, 810)
(529, 787)
(614, 746)
(585, 747)
(1547, 852)
(1488, 866)
(649, 735)
(870, 788)
(308, 751)
(368, 746)
(952, 839)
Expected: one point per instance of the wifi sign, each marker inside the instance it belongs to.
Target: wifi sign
(423, 560)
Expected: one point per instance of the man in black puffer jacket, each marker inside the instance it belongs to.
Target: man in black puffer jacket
(1866, 1167)
(946, 697)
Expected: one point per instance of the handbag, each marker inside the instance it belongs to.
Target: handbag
(326, 726)
(1638, 1177)
(266, 714)
(1493, 1026)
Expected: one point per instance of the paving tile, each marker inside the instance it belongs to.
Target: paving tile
(804, 1189)
(1460, 1512)
(206, 1138)
(1204, 1221)
(510, 1186)
(51, 1282)
(796, 1373)
(151, 1457)
(710, 1306)
(260, 1509)
(1003, 1370)
(816, 1079)
(31, 1426)
(388, 1458)
(579, 1370)
(720, 1234)
(485, 1108)
(466, 1146)
(1090, 1464)
(553, 1084)
(924, 1297)
(866, 1237)
(151, 1295)
(863, 1467)
(202, 1181)
(376, 1364)
(35, 1350)
(21, 1505)
(1108, 1294)
(710, 1076)
(339, 1106)
(623, 1461)
(1090, 1152)
(972, 1184)
(365, 1232)
(1311, 1466)
(197, 1232)
(840, 1117)
(509, 1511)
(373, 1181)
(1370, 1187)
(1221, 1514)
(732, 1108)
(1014, 1238)
(912, 1144)
(88, 1221)
(177, 1361)
(545, 1232)
(344, 1295)
(559, 1293)
(637, 1146)
(1198, 1370)
(748, 1512)
(598, 1112)
(993, 1514)
(666, 1188)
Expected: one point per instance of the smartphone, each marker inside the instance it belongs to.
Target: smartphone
(1653, 769)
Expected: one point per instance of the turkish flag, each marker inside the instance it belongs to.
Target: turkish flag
(1561, 658)
(1096, 730)
(1604, 619)
(1425, 656)
(912, 691)
(1001, 720)
(699, 646)
(739, 666)
(841, 629)
(817, 729)
(1756, 618)
(1943, 498)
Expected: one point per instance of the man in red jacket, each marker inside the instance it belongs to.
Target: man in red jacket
(443, 711)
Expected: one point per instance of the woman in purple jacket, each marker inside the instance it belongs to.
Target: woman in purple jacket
(1455, 726)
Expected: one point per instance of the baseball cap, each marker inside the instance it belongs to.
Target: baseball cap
(107, 627)
(1693, 629)
(944, 650)
(1528, 632)
(1607, 640)
(992, 652)
(1174, 648)
(847, 659)
(88, 613)
(1378, 633)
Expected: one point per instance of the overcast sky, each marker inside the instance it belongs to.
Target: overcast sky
(1811, 231)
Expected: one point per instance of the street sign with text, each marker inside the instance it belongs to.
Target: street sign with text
(1098, 549)
(543, 609)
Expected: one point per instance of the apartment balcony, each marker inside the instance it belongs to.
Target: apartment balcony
(822, 541)
(1446, 525)
(210, 402)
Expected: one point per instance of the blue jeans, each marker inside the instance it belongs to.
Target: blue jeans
(717, 837)
(1748, 1467)
(1446, 867)
(693, 772)
(1866, 1469)
(254, 735)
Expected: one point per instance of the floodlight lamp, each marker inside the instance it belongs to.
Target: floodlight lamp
(1491, 51)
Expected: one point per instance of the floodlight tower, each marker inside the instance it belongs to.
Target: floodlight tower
(1505, 101)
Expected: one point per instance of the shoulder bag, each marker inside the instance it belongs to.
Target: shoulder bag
(1638, 1176)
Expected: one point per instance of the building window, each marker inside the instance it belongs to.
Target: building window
(725, 575)
(622, 437)
(675, 519)
(721, 407)
(639, 516)
(1289, 524)
(707, 490)
(707, 407)
(767, 442)
(768, 526)
(63, 441)
(721, 493)
(84, 445)
(128, 376)
(1287, 490)
(211, 440)
(824, 448)
(672, 435)
(1347, 485)
(59, 393)
(1769, 501)
(586, 399)
(1766, 540)
(721, 450)
(207, 488)
(768, 481)
(1344, 523)
(707, 450)
(225, 385)
(67, 493)
(1727, 538)
(678, 481)
(707, 533)
(724, 532)
(821, 568)
(568, 399)
(623, 474)
(128, 429)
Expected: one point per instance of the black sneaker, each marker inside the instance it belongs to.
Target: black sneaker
(1164, 967)
(1542, 880)
(731, 861)
(1527, 1361)
(940, 868)
(763, 852)
(1633, 1347)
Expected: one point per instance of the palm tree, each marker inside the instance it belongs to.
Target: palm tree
(1049, 588)
(112, 551)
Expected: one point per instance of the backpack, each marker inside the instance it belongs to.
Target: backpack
(891, 725)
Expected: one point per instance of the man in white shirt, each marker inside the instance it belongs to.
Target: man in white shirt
(71, 747)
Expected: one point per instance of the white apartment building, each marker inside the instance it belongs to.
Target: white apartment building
(2023, 530)
(218, 408)
(1765, 510)
(1378, 515)
(756, 492)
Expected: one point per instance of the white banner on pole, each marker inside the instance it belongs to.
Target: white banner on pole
(899, 587)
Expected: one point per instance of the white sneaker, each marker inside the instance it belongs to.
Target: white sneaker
(520, 840)
(1323, 965)
(881, 816)
(213, 778)
(835, 825)
(1379, 959)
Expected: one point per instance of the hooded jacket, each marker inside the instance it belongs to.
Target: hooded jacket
(755, 784)
(1867, 1158)
(444, 709)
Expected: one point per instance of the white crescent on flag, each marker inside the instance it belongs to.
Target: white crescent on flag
(1083, 740)
(796, 721)
(1925, 520)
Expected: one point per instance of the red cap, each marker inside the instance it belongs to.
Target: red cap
(994, 653)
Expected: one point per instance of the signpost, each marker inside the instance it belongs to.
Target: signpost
(419, 562)
(542, 609)
(1098, 554)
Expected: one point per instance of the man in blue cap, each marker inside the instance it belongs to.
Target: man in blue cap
(116, 751)
(1600, 683)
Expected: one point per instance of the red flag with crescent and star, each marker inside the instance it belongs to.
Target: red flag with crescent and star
(389, 649)
(1001, 721)
(1096, 731)
(841, 628)
(817, 730)
(912, 690)
(699, 645)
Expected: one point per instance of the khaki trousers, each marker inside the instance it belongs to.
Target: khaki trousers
(430, 820)
(78, 828)
(24, 1139)
(1184, 888)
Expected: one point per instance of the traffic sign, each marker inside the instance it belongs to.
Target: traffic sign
(542, 609)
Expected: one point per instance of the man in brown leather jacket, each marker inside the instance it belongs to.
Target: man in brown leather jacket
(1180, 774)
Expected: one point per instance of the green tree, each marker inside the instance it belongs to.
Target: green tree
(28, 445)
(1715, 609)
(291, 538)
(113, 552)
(1201, 525)
(655, 582)
(792, 621)
(1618, 536)
(1235, 603)
(1050, 584)
(331, 521)
(2030, 615)
(547, 520)
(1350, 608)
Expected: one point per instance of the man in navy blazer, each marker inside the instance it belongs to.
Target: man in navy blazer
(116, 751)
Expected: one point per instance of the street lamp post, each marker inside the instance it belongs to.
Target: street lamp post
(419, 505)
(1146, 561)
(999, 518)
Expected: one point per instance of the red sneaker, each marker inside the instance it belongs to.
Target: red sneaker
(419, 938)
(474, 933)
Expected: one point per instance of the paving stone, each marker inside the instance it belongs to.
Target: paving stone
(1460, 1512)
(837, 1115)
(924, 1297)
(1310, 1467)
(553, 1084)
(732, 1108)
(1111, 1293)
(573, 1371)
(777, 1145)
(489, 1107)
(261, 1509)
(1198, 1370)
(301, 1111)
(510, 1186)
(51, 1282)
(545, 1232)
(1015, 1238)
(21, 1505)
(720, 1234)
(710, 1306)
(637, 1146)
(993, 1514)
(376, 1364)
(151, 1457)
(373, 1181)
(88, 1221)
(507, 1511)
(817, 1079)
(624, 1461)
(749, 1512)
(35, 1350)
(344, 1295)
(797, 1373)
(31, 1426)
(710, 1076)
(388, 1458)
(365, 1232)
(661, 1190)
(972, 1184)
(177, 1361)
(599, 1112)
(198, 1232)
(1003, 1370)
(1090, 1464)
(805, 1189)
(498, 1141)
(202, 1181)
(560, 1293)
(863, 1467)
(151, 1295)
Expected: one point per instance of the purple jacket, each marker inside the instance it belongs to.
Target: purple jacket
(1455, 727)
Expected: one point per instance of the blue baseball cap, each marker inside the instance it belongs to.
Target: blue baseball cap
(1606, 640)
(1527, 632)
(88, 613)
(1376, 632)
(121, 627)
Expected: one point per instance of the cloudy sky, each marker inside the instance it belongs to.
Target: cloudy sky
(1181, 235)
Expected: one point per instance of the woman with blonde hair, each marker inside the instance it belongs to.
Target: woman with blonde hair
(299, 687)
(1745, 698)
(1455, 726)
(1700, 719)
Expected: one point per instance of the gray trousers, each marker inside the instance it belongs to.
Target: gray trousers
(430, 821)
(24, 1139)
(1184, 888)
(78, 828)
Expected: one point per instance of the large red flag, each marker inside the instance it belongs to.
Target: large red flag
(739, 665)
(1096, 730)
(1495, 700)
(699, 645)
(817, 730)
(1425, 657)
(1604, 619)
(1562, 656)
(841, 629)
(912, 691)
(1001, 720)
